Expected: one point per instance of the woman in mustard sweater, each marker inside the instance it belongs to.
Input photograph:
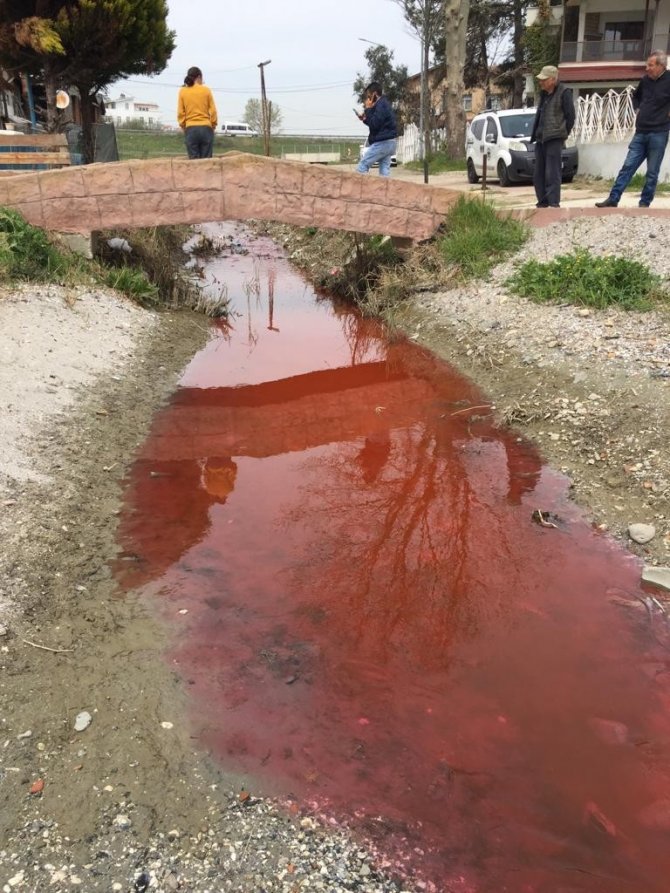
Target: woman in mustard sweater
(196, 114)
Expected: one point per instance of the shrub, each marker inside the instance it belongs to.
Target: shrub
(477, 238)
(582, 278)
(134, 283)
(26, 252)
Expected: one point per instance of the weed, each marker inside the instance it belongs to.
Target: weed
(477, 238)
(438, 163)
(133, 283)
(582, 278)
(27, 253)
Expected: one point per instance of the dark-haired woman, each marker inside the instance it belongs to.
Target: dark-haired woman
(196, 114)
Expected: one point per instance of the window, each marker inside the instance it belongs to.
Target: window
(494, 103)
(517, 125)
(477, 128)
(127, 106)
(467, 102)
(491, 130)
(621, 31)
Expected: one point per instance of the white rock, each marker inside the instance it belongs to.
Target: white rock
(167, 725)
(659, 576)
(641, 533)
(122, 822)
(83, 721)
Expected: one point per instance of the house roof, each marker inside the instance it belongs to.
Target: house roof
(571, 72)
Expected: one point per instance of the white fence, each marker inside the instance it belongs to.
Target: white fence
(409, 144)
(604, 119)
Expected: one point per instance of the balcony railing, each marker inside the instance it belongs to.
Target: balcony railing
(613, 50)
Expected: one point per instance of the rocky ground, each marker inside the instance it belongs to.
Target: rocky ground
(100, 785)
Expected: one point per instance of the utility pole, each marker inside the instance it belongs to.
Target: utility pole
(264, 109)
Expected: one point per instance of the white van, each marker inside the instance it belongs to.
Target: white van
(503, 137)
(235, 128)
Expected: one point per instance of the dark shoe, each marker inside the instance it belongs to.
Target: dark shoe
(541, 205)
(553, 206)
(608, 203)
(643, 204)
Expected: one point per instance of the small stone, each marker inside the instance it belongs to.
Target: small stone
(24, 735)
(584, 312)
(641, 533)
(83, 721)
(167, 725)
(659, 576)
(174, 834)
(3, 630)
(122, 822)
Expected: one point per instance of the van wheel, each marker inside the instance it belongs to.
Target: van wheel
(503, 174)
(473, 176)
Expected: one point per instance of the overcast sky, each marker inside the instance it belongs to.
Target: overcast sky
(313, 45)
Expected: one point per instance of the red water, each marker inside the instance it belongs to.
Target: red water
(376, 626)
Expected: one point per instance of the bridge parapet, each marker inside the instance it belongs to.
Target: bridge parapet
(234, 186)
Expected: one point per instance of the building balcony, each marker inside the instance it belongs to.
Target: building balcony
(612, 50)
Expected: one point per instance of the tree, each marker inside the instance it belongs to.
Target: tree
(542, 40)
(253, 115)
(85, 44)
(456, 29)
(424, 18)
(380, 68)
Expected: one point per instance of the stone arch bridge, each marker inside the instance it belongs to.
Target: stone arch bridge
(234, 186)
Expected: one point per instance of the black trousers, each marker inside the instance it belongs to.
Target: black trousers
(547, 174)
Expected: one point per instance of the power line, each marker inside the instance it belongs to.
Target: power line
(297, 88)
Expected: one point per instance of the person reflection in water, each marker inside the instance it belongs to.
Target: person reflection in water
(374, 455)
(182, 494)
(218, 478)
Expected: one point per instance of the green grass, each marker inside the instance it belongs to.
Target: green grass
(157, 143)
(438, 164)
(582, 278)
(477, 238)
(27, 254)
(134, 283)
(637, 183)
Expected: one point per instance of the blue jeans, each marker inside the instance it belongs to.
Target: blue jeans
(378, 152)
(199, 141)
(649, 146)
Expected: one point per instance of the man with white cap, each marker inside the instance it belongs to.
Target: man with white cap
(651, 100)
(554, 119)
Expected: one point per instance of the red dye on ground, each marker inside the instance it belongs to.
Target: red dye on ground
(375, 623)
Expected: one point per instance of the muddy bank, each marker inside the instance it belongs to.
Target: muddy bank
(129, 800)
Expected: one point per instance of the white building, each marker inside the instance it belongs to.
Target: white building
(124, 109)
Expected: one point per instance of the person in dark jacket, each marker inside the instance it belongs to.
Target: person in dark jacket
(380, 118)
(651, 100)
(554, 119)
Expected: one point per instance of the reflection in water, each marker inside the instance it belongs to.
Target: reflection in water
(376, 625)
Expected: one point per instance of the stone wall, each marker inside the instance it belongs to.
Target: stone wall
(234, 186)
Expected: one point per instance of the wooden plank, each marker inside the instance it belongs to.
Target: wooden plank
(29, 158)
(45, 140)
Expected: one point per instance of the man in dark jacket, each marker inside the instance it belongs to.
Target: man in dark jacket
(651, 100)
(554, 119)
(380, 118)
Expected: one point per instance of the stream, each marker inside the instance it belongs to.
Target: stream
(371, 620)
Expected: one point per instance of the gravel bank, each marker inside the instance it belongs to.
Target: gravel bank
(591, 387)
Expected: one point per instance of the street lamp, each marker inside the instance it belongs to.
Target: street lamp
(264, 108)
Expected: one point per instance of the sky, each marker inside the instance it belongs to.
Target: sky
(315, 54)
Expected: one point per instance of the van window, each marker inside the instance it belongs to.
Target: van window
(477, 128)
(491, 129)
(517, 125)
